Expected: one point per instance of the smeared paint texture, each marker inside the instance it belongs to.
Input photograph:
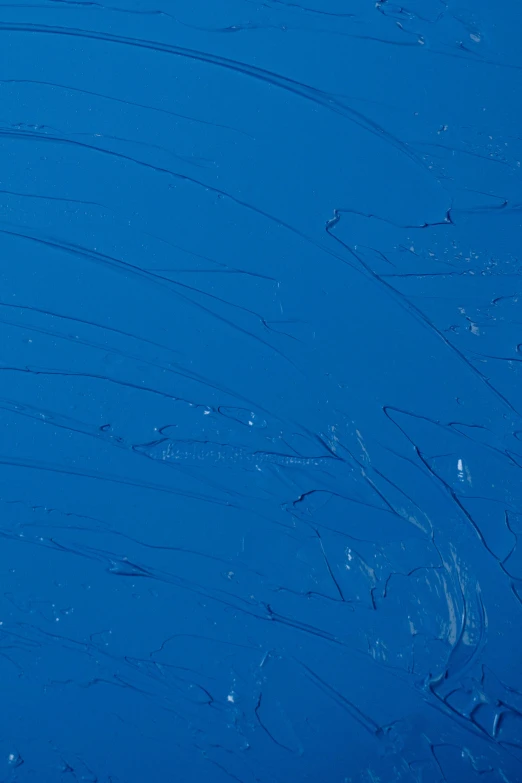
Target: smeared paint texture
(260, 391)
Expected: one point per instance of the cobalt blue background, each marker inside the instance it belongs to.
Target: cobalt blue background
(260, 351)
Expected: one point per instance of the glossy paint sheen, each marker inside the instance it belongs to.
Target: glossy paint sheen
(260, 368)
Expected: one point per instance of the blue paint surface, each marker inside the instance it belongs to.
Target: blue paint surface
(261, 392)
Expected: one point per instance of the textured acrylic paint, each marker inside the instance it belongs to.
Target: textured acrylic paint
(260, 391)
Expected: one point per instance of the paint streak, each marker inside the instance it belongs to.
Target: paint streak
(260, 373)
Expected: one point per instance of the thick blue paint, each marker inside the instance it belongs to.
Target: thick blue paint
(260, 317)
